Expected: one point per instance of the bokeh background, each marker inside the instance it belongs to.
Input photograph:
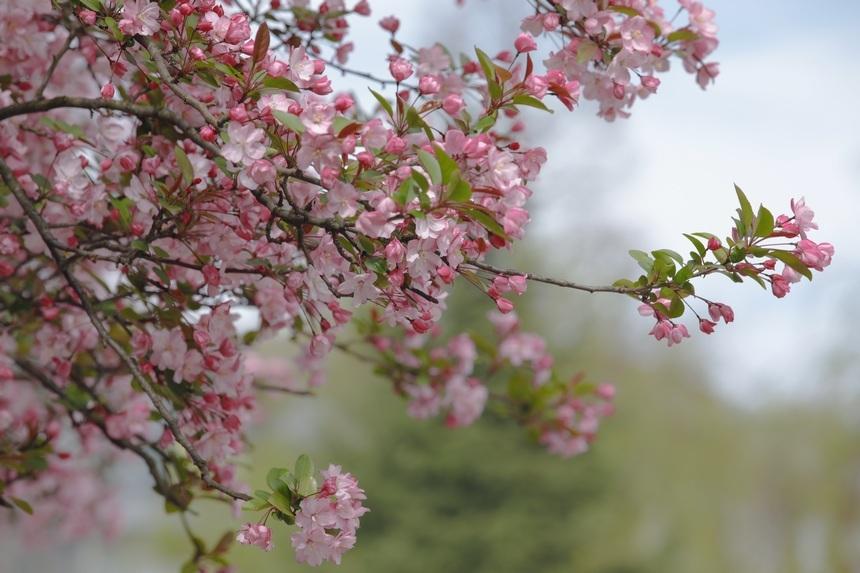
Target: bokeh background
(738, 452)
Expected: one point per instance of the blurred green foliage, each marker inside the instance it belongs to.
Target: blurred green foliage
(678, 481)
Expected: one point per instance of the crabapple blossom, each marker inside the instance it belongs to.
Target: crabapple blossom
(255, 534)
(167, 166)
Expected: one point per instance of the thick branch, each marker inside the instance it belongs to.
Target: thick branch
(41, 105)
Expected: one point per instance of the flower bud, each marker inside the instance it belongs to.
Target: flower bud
(525, 43)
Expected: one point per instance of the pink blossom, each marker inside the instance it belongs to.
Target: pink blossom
(465, 399)
(429, 85)
(637, 33)
(246, 143)
(317, 117)
(301, 67)
(719, 310)
(140, 17)
(525, 43)
(816, 256)
(424, 401)
(400, 69)
(390, 24)
(453, 104)
(328, 520)
(779, 286)
(803, 216)
(255, 534)
(707, 74)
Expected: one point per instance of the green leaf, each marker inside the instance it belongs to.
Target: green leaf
(459, 191)
(273, 477)
(531, 101)
(431, 165)
(764, 222)
(485, 220)
(699, 246)
(415, 121)
(279, 83)
(489, 72)
(289, 120)
(184, 166)
(676, 308)
(644, 259)
(377, 265)
(746, 212)
(386, 105)
(682, 35)
(403, 193)
(792, 261)
(671, 254)
(22, 505)
(587, 51)
(228, 70)
(256, 505)
(94, 5)
(140, 245)
(280, 502)
(486, 122)
(625, 10)
(114, 28)
(73, 130)
(446, 163)
(683, 274)
(304, 467)
(419, 178)
(123, 207)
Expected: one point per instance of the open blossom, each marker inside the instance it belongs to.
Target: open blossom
(803, 216)
(638, 35)
(465, 399)
(140, 17)
(817, 256)
(255, 534)
(305, 218)
(246, 143)
(328, 520)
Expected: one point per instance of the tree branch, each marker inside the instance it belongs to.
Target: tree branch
(157, 400)
(180, 92)
(41, 105)
(162, 483)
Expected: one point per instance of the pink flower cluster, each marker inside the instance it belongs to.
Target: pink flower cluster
(576, 419)
(255, 534)
(754, 250)
(607, 47)
(164, 168)
(328, 520)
